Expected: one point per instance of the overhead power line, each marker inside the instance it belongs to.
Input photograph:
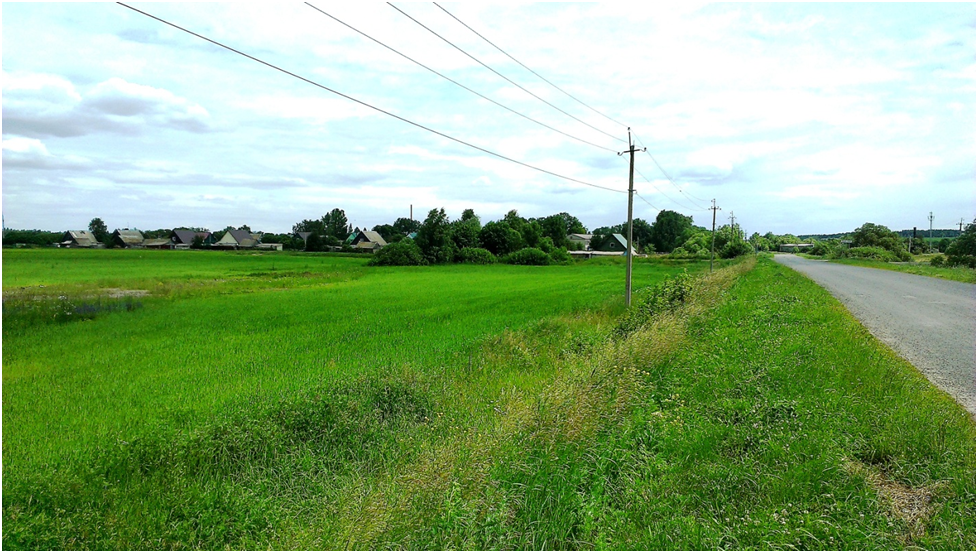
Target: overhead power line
(669, 178)
(362, 103)
(646, 201)
(569, 95)
(666, 196)
(507, 79)
(453, 81)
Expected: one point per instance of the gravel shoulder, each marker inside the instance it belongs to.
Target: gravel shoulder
(929, 321)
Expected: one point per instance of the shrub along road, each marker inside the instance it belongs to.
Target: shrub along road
(929, 321)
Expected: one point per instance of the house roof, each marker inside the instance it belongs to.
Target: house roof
(181, 236)
(374, 236)
(243, 237)
(80, 237)
(584, 237)
(128, 237)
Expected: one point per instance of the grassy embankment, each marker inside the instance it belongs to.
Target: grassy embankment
(758, 415)
(920, 266)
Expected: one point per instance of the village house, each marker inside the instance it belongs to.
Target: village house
(183, 239)
(238, 239)
(126, 238)
(580, 241)
(368, 241)
(78, 239)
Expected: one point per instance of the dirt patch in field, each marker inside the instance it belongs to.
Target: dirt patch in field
(911, 505)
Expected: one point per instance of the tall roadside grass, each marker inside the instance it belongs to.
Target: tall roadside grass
(921, 266)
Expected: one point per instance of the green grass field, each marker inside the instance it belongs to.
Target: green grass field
(310, 402)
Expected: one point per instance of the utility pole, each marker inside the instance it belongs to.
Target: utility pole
(631, 192)
(961, 225)
(732, 221)
(931, 237)
(713, 233)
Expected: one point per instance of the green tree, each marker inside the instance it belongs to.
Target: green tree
(435, 238)
(336, 224)
(871, 235)
(532, 233)
(405, 226)
(465, 232)
(99, 229)
(962, 250)
(669, 230)
(499, 238)
(309, 225)
(314, 243)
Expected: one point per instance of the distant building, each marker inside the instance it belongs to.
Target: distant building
(617, 243)
(237, 239)
(580, 241)
(368, 240)
(183, 239)
(78, 239)
(794, 247)
(127, 238)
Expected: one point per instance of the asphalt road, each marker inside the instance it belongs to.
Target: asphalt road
(929, 321)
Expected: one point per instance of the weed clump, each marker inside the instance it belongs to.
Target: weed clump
(653, 300)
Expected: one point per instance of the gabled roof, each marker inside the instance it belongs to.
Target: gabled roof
(80, 237)
(181, 236)
(584, 237)
(128, 237)
(243, 237)
(184, 236)
(373, 236)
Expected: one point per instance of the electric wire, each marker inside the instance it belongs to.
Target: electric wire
(690, 197)
(666, 196)
(453, 81)
(507, 79)
(398, 117)
(646, 201)
(569, 95)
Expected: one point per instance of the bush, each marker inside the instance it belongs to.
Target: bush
(528, 256)
(735, 248)
(938, 261)
(559, 256)
(877, 253)
(960, 261)
(662, 297)
(822, 249)
(405, 252)
(476, 256)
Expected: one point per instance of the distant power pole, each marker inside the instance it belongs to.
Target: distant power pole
(961, 225)
(732, 221)
(631, 192)
(713, 233)
(931, 238)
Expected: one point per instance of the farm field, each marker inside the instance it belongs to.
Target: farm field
(294, 401)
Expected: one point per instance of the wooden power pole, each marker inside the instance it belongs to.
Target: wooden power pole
(713, 233)
(631, 192)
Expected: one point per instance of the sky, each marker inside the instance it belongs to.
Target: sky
(796, 118)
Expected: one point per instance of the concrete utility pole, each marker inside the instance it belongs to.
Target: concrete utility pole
(732, 221)
(713, 233)
(961, 225)
(631, 192)
(931, 237)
